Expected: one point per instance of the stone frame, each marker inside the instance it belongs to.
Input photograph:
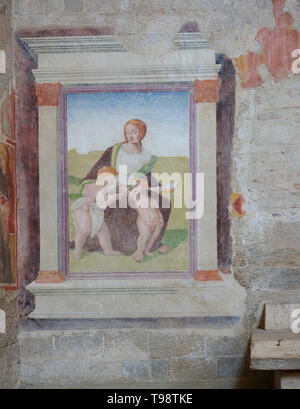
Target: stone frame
(207, 292)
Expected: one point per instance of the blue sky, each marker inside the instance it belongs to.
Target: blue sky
(96, 120)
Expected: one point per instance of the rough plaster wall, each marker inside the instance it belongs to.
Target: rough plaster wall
(266, 170)
(266, 255)
(229, 25)
(27, 169)
(9, 350)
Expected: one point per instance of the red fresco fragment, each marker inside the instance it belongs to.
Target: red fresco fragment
(247, 65)
(237, 201)
(277, 45)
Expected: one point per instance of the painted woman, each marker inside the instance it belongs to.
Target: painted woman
(122, 221)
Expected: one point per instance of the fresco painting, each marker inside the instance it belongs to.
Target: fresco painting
(8, 276)
(7, 115)
(8, 225)
(149, 132)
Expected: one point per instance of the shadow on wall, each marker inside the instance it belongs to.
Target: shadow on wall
(225, 131)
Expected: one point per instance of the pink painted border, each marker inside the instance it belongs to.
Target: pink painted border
(64, 231)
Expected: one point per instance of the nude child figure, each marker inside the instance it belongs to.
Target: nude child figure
(89, 217)
(149, 219)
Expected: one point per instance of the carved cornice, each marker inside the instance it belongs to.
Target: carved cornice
(96, 44)
(83, 60)
(104, 76)
(184, 41)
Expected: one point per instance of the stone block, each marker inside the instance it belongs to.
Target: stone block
(65, 358)
(233, 367)
(63, 373)
(192, 369)
(275, 364)
(279, 316)
(125, 345)
(272, 350)
(288, 380)
(33, 345)
(143, 371)
(162, 345)
(286, 278)
(9, 366)
(224, 346)
(90, 356)
(87, 344)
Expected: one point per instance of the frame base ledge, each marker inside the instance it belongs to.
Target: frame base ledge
(147, 298)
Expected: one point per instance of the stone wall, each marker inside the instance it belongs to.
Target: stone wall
(265, 169)
(175, 353)
(9, 349)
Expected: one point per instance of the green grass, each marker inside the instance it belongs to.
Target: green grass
(72, 180)
(175, 260)
(79, 165)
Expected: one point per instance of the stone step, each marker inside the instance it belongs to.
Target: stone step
(138, 298)
(287, 380)
(281, 316)
(275, 350)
